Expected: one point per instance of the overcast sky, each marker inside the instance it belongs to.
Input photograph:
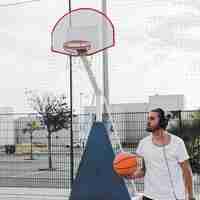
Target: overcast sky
(157, 51)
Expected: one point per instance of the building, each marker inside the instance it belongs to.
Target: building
(40, 136)
(130, 119)
(7, 130)
(167, 102)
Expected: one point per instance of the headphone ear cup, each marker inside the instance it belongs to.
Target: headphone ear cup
(160, 123)
(163, 122)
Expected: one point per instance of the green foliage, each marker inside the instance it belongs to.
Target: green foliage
(196, 115)
(31, 126)
(189, 131)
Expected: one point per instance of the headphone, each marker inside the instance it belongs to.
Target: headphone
(163, 121)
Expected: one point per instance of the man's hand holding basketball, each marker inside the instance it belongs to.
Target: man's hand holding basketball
(137, 174)
(140, 172)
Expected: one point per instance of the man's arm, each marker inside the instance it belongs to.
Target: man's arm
(187, 176)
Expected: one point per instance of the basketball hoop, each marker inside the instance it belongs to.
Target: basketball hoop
(81, 33)
(77, 47)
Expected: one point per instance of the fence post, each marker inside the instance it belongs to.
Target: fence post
(180, 122)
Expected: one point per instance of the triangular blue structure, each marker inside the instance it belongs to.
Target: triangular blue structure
(95, 178)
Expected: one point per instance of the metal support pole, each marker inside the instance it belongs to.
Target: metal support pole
(105, 65)
(71, 118)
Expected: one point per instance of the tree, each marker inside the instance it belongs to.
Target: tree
(31, 126)
(189, 130)
(54, 111)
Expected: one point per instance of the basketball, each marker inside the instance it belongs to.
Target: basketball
(125, 164)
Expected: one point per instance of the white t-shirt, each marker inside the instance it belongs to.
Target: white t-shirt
(163, 169)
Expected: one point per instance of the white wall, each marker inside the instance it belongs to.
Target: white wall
(7, 129)
(122, 108)
(167, 102)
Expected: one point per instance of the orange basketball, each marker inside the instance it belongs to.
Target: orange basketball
(125, 164)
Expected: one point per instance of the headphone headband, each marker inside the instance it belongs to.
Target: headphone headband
(163, 120)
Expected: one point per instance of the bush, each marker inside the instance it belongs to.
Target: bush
(189, 131)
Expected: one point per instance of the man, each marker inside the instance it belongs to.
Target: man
(167, 173)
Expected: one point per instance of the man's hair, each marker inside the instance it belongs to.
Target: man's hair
(163, 121)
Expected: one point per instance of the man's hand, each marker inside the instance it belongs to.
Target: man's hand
(138, 174)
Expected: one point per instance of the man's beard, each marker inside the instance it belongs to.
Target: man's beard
(150, 129)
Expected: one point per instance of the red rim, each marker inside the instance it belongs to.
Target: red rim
(77, 45)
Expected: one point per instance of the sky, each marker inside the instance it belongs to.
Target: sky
(156, 52)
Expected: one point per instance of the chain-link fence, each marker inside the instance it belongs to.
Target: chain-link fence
(25, 158)
(24, 152)
(185, 124)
